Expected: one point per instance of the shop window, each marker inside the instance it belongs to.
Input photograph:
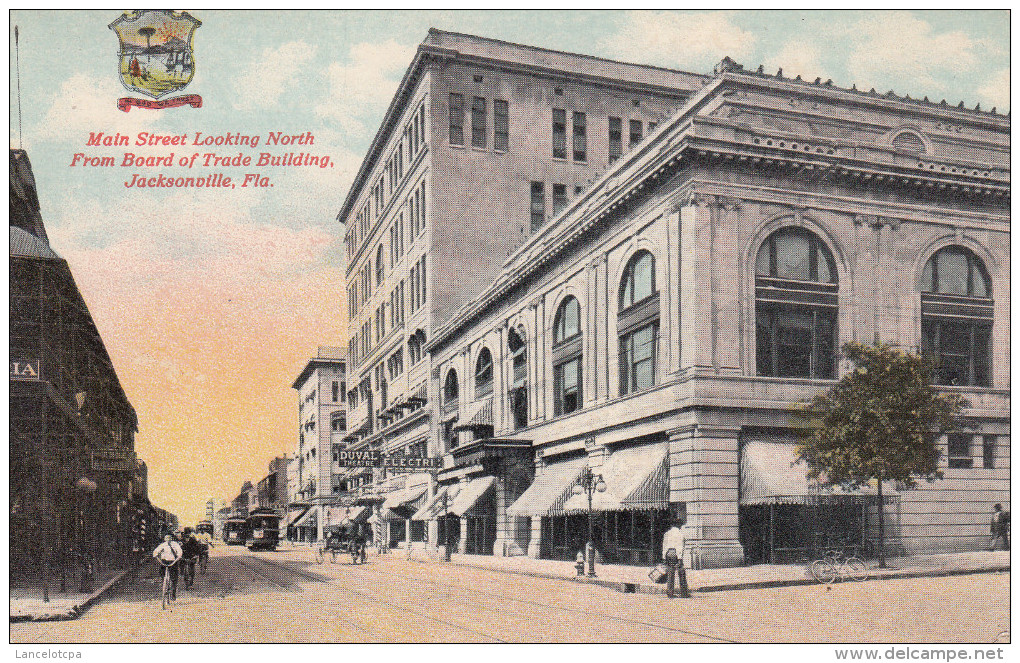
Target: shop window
(483, 373)
(959, 451)
(796, 299)
(988, 444)
(957, 313)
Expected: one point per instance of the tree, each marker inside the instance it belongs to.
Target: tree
(880, 422)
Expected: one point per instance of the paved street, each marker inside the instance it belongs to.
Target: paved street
(286, 597)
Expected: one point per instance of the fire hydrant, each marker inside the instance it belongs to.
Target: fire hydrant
(579, 564)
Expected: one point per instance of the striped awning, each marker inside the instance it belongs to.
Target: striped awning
(309, 518)
(472, 495)
(433, 507)
(770, 473)
(636, 478)
(550, 489)
(406, 497)
(481, 418)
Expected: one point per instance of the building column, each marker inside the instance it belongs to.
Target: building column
(462, 544)
(535, 542)
(704, 476)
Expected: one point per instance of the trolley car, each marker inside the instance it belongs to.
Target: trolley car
(234, 531)
(263, 530)
(204, 526)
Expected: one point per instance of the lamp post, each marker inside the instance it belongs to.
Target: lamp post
(589, 483)
(446, 526)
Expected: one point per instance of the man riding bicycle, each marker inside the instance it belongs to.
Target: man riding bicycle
(192, 550)
(204, 538)
(169, 554)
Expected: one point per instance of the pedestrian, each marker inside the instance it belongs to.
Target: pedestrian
(999, 528)
(672, 553)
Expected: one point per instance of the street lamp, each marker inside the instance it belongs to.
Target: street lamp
(589, 483)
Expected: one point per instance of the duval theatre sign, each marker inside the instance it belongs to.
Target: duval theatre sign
(375, 458)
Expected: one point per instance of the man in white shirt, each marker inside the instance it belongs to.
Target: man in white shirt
(169, 554)
(672, 553)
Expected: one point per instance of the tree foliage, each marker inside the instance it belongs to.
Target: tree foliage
(881, 421)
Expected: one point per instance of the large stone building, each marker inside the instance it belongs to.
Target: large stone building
(315, 479)
(483, 143)
(663, 329)
(559, 263)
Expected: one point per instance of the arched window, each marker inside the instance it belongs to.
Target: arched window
(451, 391)
(797, 302)
(638, 281)
(637, 324)
(379, 265)
(568, 320)
(957, 312)
(483, 373)
(567, 357)
(519, 379)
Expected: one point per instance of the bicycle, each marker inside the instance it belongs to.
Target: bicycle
(835, 564)
(188, 572)
(203, 559)
(166, 583)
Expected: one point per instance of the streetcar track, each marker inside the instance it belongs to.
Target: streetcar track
(376, 599)
(470, 592)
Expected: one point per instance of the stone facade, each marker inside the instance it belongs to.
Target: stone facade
(874, 185)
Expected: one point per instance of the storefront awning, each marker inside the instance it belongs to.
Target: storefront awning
(406, 497)
(471, 494)
(550, 489)
(480, 421)
(770, 473)
(294, 515)
(636, 478)
(433, 507)
(309, 519)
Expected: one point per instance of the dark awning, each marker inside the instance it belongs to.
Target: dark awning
(636, 478)
(484, 451)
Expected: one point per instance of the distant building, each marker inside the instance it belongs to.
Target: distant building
(242, 504)
(271, 490)
(322, 423)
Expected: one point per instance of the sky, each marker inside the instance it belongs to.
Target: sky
(211, 300)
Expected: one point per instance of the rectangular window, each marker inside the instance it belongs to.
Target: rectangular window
(960, 348)
(500, 125)
(637, 359)
(635, 132)
(424, 280)
(615, 138)
(988, 444)
(651, 126)
(559, 198)
(567, 386)
(559, 133)
(336, 391)
(796, 342)
(456, 119)
(479, 128)
(959, 451)
(537, 205)
(580, 137)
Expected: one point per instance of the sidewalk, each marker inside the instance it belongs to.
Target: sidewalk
(635, 578)
(27, 601)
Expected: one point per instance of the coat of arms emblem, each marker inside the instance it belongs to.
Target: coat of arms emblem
(157, 57)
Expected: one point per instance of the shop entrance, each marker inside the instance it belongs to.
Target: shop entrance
(789, 533)
(481, 535)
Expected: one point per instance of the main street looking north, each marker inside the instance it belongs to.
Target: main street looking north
(285, 596)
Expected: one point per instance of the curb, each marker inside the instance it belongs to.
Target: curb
(644, 588)
(77, 610)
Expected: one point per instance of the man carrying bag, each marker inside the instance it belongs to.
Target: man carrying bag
(672, 554)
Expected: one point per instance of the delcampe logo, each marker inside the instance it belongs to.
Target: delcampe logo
(157, 56)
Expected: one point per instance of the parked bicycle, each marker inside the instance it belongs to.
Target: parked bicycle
(835, 564)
